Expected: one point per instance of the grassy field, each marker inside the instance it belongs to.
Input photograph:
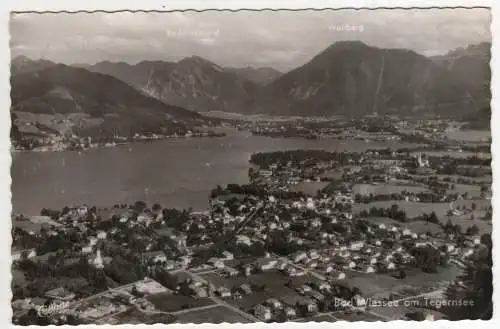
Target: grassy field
(170, 303)
(275, 284)
(413, 209)
(378, 283)
(478, 180)
(383, 220)
(474, 191)
(422, 227)
(213, 315)
(310, 188)
(465, 222)
(134, 316)
(415, 226)
(333, 174)
(367, 189)
(469, 135)
(454, 154)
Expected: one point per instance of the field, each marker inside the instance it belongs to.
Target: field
(469, 135)
(422, 227)
(332, 174)
(61, 123)
(274, 282)
(167, 302)
(383, 220)
(213, 315)
(367, 189)
(382, 284)
(477, 180)
(474, 191)
(453, 154)
(134, 316)
(415, 226)
(310, 188)
(465, 222)
(413, 209)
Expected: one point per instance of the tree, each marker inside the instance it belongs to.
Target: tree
(139, 206)
(156, 207)
(472, 230)
(478, 281)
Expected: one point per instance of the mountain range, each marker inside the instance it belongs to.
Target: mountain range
(347, 78)
(352, 78)
(91, 103)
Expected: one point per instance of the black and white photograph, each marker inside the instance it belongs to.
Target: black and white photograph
(245, 166)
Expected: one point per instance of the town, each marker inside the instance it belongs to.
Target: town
(313, 236)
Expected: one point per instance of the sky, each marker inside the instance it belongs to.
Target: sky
(283, 40)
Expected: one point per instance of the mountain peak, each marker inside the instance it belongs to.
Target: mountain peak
(349, 44)
(196, 60)
(21, 59)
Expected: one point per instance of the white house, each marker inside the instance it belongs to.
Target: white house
(274, 303)
(216, 262)
(224, 292)
(262, 312)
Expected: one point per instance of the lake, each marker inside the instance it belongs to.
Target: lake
(175, 172)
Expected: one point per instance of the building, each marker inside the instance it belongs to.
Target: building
(149, 286)
(300, 255)
(216, 262)
(422, 161)
(357, 245)
(247, 269)
(231, 272)
(262, 312)
(224, 292)
(243, 239)
(155, 257)
(245, 289)
(87, 249)
(99, 261)
(290, 312)
(313, 254)
(265, 264)
(26, 253)
(307, 306)
(60, 294)
(179, 241)
(273, 303)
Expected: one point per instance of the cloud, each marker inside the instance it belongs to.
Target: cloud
(283, 40)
